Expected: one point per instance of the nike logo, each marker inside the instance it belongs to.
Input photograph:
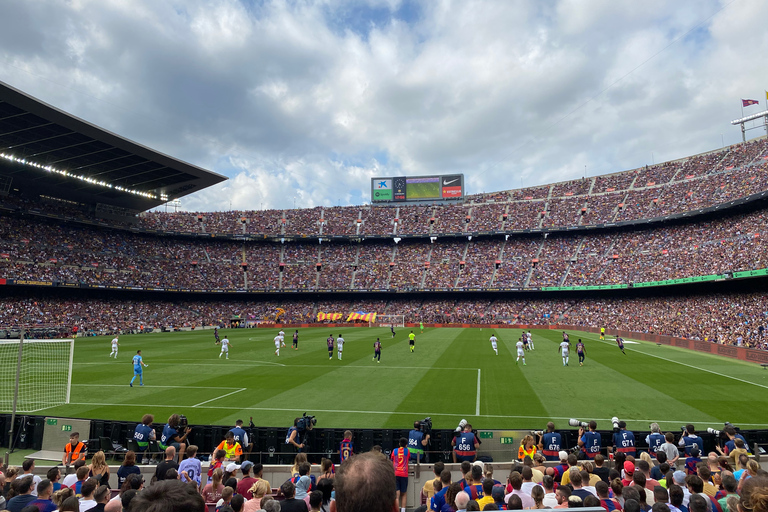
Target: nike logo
(449, 182)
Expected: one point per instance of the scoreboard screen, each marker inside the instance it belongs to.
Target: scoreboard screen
(417, 188)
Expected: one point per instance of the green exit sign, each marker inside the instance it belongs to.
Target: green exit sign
(487, 434)
(51, 421)
(507, 440)
(66, 428)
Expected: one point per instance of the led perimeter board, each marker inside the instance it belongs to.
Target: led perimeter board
(417, 188)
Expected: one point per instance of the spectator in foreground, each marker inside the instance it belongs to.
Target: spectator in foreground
(24, 496)
(168, 496)
(290, 503)
(43, 501)
(366, 483)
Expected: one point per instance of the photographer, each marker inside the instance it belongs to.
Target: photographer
(730, 432)
(589, 441)
(623, 439)
(418, 438)
(171, 436)
(689, 440)
(550, 443)
(297, 434)
(465, 444)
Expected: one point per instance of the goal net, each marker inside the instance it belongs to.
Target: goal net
(388, 321)
(45, 378)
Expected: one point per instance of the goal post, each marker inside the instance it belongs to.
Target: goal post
(388, 321)
(44, 373)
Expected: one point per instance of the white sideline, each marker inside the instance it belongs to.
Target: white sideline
(218, 397)
(683, 364)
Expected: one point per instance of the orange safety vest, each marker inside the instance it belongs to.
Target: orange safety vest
(76, 453)
(521, 452)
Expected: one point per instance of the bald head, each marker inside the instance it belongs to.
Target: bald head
(170, 452)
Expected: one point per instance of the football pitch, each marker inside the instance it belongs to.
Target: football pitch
(452, 374)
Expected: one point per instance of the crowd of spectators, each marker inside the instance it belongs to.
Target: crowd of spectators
(32, 250)
(716, 317)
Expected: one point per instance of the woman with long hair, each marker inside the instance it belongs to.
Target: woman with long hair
(71, 504)
(258, 491)
(127, 468)
(300, 457)
(537, 493)
(527, 448)
(99, 469)
(753, 496)
(212, 491)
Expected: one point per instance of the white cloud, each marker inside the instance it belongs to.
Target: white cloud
(310, 99)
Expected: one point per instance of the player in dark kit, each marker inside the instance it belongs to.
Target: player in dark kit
(620, 343)
(580, 352)
(525, 341)
(376, 351)
(216, 335)
(330, 341)
(296, 340)
(392, 330)
(565, 337)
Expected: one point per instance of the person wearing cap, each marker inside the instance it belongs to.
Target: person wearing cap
(678, 477)
(245, 483)
(233, 449)
(629, 471)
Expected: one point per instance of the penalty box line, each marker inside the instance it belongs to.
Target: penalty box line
(678, 362)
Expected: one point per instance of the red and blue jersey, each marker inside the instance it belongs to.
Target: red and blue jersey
(560, 470)
(579, 348)
(400, 458)
(377, 346)
(346, 449)
(690, 465)
(610, 504)
(330, 341)
(475, 491)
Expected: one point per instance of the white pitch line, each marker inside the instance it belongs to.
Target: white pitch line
(403, 413)
(683, 364)
(153, 386)
(219, 397)
(477, 402)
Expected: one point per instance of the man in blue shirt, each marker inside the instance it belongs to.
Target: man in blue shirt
(550, 443)
(655, 439)
(417, 441)
(624, 440)
(241, 436)
(138, 362)
(589, 441)
(689, 440)
(144, 433)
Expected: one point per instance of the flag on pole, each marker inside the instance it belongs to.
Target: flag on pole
(746, 103)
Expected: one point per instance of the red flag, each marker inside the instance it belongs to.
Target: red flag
(746, 103)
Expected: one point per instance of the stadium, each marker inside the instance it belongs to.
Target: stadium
(660, 271)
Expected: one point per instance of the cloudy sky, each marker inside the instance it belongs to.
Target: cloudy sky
(304, 101)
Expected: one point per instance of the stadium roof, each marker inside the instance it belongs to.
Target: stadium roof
(46, 151)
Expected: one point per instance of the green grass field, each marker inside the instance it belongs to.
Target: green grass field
(452, 374)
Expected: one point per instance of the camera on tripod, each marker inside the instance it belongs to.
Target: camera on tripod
(183, 422)
(425, 426)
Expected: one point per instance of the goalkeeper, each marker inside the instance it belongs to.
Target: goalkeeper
(138, 371)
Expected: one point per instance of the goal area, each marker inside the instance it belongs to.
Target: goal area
(45, 376)
(388, 321)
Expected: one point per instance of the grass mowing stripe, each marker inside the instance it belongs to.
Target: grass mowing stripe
(685, 364)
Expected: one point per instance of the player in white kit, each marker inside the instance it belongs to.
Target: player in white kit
(278, 341)
(530, 340)
(115, 344)
(493, 344)
(339, 346)
(282, 337)
(565, 347)
(520, 351)
(225, 343)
